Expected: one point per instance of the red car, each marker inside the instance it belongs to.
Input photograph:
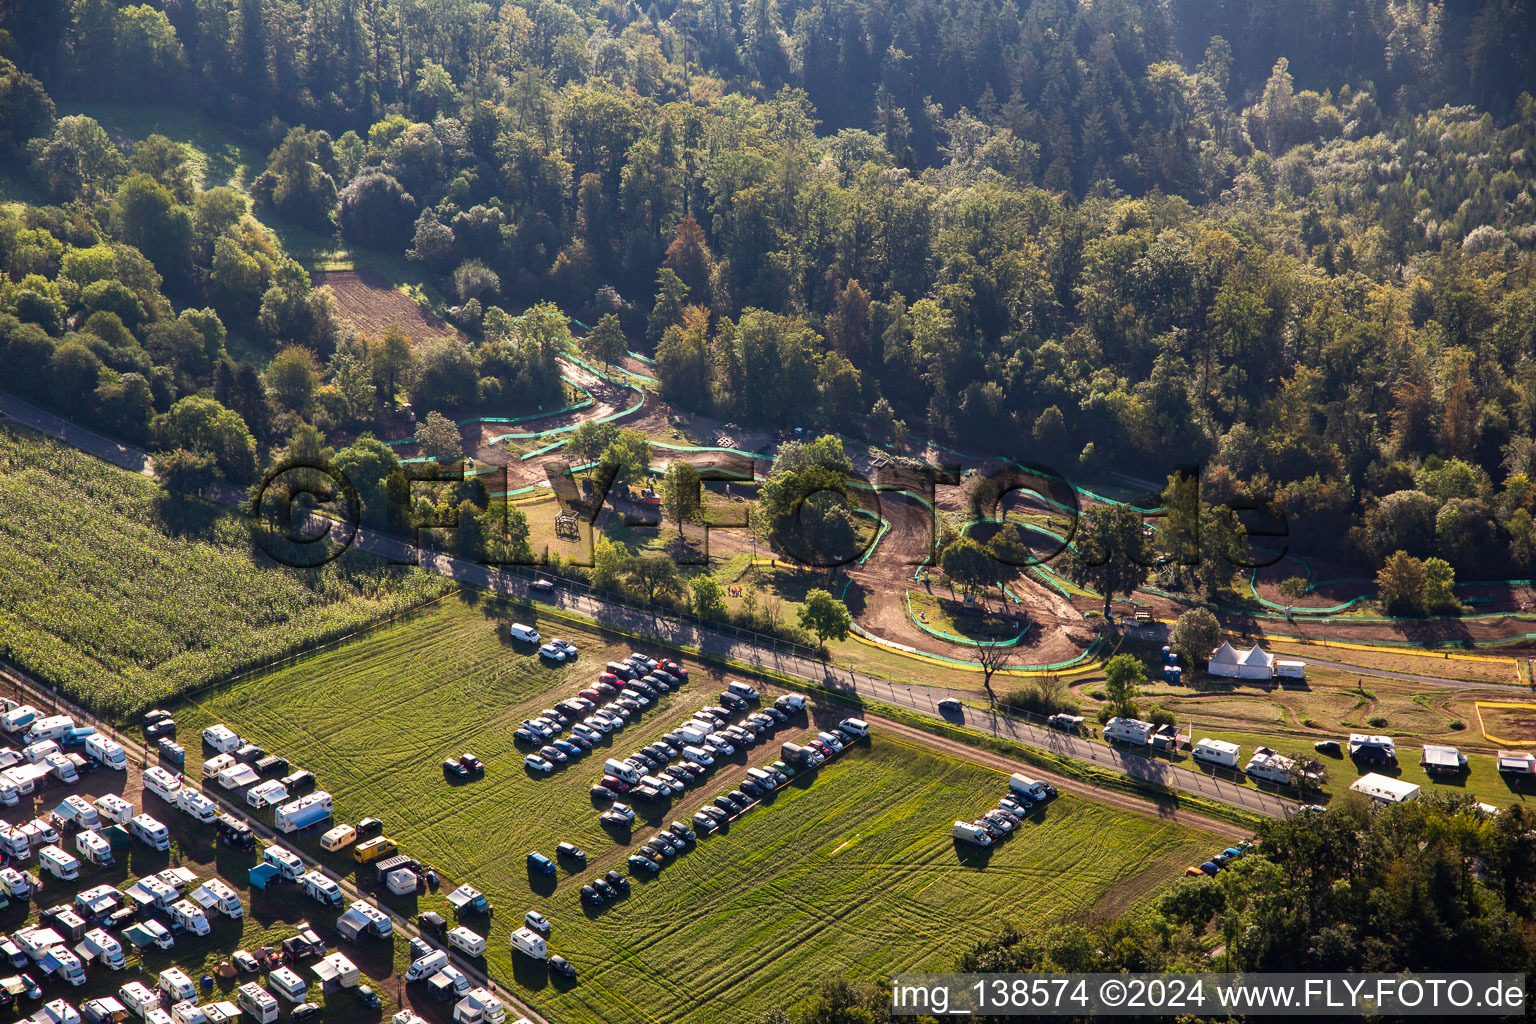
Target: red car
(615, 783)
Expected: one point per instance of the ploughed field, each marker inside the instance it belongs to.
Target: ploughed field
(851, 869)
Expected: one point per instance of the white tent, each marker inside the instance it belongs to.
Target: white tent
(1384, 788)
(1224, 661)
(1254, 663)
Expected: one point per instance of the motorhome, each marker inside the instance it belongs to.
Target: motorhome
(469, 942)
(195, 805)
(221, 738)
(152, 892)
(54, 727)
(288, 864)
(258, 1002)
(162, 783)
(424, 967)
(1216, 752)
(98, 902)
(16, 883)
(94, 849)
(64, 965)
(139, 998)
(25, 777)
(364, 919)
(217, 896)
(974, 834)
(321, 889)
(76, 810)
(151, 831)
(531, 943)
(1129, 730)
(188, 916)
(107, 752)
(114, 809)
(303, 812)
(10, 793)
(62, 767)
(337, 969)
(479, 1006)
(59, 864)
(19, 719)
(176, 986)
(100, 946)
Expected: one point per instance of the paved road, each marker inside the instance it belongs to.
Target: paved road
(922, 699)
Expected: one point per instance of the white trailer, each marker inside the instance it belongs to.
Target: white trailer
(479, 1006)
(531, 943)
(1216, 752)
(221, 738)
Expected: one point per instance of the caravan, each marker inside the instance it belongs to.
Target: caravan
(267, 794)
(479, 1006)
(221, 738)
(363, 919)
(303, 812)
(286, 982)
(1216, 752)
(468, 942)
(18, 719)
(531, 943)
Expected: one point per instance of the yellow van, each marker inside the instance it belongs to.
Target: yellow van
(373, 849)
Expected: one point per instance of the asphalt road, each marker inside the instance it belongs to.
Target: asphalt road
(922, 699)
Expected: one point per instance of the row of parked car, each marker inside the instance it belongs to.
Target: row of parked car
(628, 688)
(1023, 796)
(1221, 860)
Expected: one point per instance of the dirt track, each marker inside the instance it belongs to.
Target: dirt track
(367, 303)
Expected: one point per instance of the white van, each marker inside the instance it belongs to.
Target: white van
(257, 1002)
(190, 917)
(221, 738)
(700, 755)
(286, 982)
(1021, 783)
(53, 727)
(527, 634)
(176, 986)
(470, 942)
(196, 805)
(106, 751)
(216, 764)
(151, 831)
(620, 770)
(975, 834)
(162, 783)
(114, 808)
(742, 690)
(59, 864)
(425, 967)
(857, 726)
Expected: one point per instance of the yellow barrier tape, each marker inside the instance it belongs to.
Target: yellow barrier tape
(1478, 706)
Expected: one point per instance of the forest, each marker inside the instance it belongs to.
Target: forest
(1290, 242)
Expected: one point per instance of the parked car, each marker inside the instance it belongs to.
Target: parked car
(538, 764)
(603, 793)
(591, 897)
(553, 753)
(572, 852)
(537, 921)
(950, 706)
(602, 886)
(561, 966)
(643, 863)
(618, 881)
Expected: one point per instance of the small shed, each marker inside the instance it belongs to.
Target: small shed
(336, 968)
(402, 881)
(1385, 789)
(1517, 762)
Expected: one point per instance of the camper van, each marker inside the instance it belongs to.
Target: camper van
(215, 895)
(1128, 730)
(62, 767)
(104, 949)
(78, 811)
(10, 792)
(530, 943)
(114, 809)
(303, 812)
(373, 849)
(1216, 752)
(195, 805)
(139, 998)
(1269, 766)
(64, 964)
(287, 862)
(321, 889)
(974, 834)
(19, 719)
(479, 1006)
(107, 752)
(469, 942)
(54, 727)
(58, 863)
(221, 738)
(188, 916)
(286, 982)
(363, 919)
(162, 783)
(424, 967)
(338, 837)
(620, 770)
(150, 831)
(90, 845)
(257, 1002)
(176, 986)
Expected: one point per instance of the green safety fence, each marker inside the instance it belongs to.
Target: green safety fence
(1087, 655)
(640, 401)
(573, 407)
(880, 533)
(952, 638)
(643, 358)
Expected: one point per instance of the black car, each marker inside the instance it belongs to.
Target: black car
(306, 1011)
(602, 886)
(776, 714)
(674, 738)
(525, 737)
(722, 715)
(664, 676)
(727, 805)
(164, 727)
(561, 966)
(452, 767)
(663, 848)
(591, 897)
(696, 768)
(645, 762)
(618, 881)
(751, 787)
(604, 793)
(300, 780)
(156, 715)
(369, 827)
(682, 831)
(710, 811)
(554, 754)
(658, 684)
(582, 742)
(732, 701)
(432, 922)
(740, 797)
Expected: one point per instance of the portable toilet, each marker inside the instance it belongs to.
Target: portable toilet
(1167, 651)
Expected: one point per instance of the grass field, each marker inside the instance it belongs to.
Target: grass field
(121, 597)
(850, 871)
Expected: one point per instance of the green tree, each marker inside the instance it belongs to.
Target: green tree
(654, 576)
(606, 342)
(1113, 555)
(824, 616)
(292, 378)
(967, 563)
(391, 364)
(1123, 678)
(607, 565)
(588, 441)
(671, 295)
(439, 438)
(708, 597)
(374, 471)
(682, 496)
(201, 425)
(1439, 579)
(1293, 588)
(626, 459)
(1400, 584)
(1195, 634)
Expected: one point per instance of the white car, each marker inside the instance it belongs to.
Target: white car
(537, 921)
(552, 652)
(717, 742)
(598, 723)
(538, 764)
(587, 732)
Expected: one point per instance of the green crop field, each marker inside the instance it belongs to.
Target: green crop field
(849, 871)
(121, 598)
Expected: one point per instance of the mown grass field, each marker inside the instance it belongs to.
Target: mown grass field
(850, 871)
(122, 597)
